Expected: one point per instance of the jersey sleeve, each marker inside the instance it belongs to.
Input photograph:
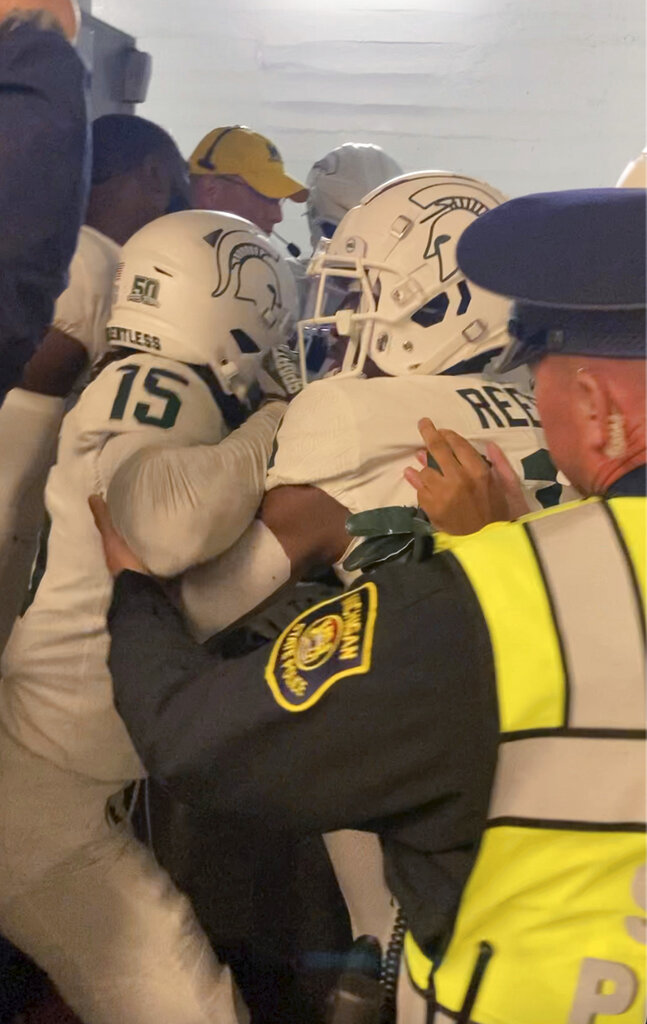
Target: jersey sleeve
(396, 672)
(83, 309)
(317, 442)
(181, 506)
(29, 425)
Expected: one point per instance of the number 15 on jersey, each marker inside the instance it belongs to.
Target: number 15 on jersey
(146, 398)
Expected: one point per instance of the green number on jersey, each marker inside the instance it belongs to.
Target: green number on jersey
(142, 410)
(539, 466)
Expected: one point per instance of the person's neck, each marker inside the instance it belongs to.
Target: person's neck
(112, 218)
(615, 469)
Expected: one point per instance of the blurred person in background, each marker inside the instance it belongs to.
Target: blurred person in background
(138, 174)
(43, 126)
(236, 170)
(340, 180)
(635, 173)
(337, 183)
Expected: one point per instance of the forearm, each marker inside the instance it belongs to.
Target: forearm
(223, 591)
(298, 529)
(261, 736)
(202, 497)
(208, 727)
(29, 426)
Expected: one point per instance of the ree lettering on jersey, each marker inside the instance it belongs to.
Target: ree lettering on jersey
(133, 339)
(327, 643)
(501, 406)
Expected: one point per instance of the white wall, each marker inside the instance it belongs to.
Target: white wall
(527, 94)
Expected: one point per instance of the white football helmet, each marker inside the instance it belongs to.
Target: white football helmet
(207, 289)
(389, 286)
(635, 173)
(340, 180)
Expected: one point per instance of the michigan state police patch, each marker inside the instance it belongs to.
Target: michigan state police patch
(328, 642)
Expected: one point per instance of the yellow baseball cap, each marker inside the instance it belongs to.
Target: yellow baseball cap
(239, 150)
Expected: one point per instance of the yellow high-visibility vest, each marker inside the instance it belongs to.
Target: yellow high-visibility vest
(551, 927)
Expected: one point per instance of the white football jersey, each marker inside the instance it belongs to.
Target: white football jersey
(56, 696)
(30, 422)
(353, 437)
(83, 309)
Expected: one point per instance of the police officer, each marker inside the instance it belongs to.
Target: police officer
(483, 711)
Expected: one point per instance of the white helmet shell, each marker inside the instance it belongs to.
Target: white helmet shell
(207, 289)
(340, 181)
(412, 310)
(635, 173)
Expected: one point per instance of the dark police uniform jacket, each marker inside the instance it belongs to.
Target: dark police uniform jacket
(44, 181)
(380, 709)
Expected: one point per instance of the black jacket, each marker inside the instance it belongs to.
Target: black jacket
(44, 178)
(406, 748)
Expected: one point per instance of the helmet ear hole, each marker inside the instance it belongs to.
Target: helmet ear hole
(466, 298)
(244, 342)
(327, 228)
(433, 312)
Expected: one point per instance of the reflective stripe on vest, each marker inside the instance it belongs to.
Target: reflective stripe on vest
(551, 927)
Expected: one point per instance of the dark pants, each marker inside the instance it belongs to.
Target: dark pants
(268, 902)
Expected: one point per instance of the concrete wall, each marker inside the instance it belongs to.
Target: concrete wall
(528, 94)
(104, 49)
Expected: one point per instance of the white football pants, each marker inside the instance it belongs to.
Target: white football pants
(358, 863)
(90, 905)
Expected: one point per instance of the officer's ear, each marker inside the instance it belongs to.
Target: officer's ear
(593, 409)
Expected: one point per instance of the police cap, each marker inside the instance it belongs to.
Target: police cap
(574, 264)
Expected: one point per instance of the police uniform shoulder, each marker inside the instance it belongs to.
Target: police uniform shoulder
(497, 534)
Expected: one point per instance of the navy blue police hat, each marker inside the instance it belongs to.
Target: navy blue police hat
(574, 264)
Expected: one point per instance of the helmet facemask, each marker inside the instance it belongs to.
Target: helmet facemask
(416, 312)
(340, 307)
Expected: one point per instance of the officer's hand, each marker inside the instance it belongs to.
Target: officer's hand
(117, 553)
(63, 14)
(459, 491)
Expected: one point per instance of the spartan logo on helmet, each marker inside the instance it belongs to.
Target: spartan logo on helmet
(448, 217)
(250, 270)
